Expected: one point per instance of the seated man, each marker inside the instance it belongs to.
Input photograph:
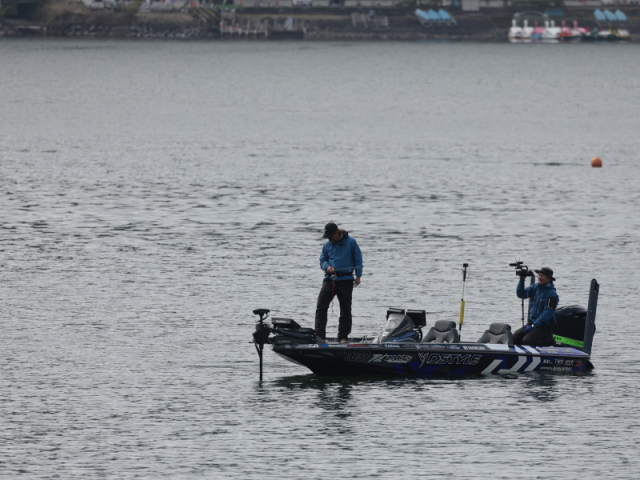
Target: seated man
(538, 332)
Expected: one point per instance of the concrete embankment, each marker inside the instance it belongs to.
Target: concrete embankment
(335, 23)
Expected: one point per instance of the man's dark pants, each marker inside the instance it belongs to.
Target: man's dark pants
(344, 292)
(538, 337)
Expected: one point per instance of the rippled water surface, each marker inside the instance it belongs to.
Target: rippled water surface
(153, 194)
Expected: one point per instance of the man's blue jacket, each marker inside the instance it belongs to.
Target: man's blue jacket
(344, 256)
(545, 301)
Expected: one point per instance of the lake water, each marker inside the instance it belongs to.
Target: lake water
(153, 193)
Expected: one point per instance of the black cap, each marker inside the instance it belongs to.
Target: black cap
(546, 271)
(330, 229)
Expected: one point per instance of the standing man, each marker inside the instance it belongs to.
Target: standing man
(542, 316)
(340, 257)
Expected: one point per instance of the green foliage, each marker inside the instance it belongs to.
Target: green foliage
(49, 14)
(9, 11)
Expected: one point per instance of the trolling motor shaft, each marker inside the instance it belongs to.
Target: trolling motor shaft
(261, 335)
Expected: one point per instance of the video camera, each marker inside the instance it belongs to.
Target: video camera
(521, 270)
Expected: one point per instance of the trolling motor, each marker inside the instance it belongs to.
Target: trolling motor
(285, 330)
(523, 272)
(261, 335)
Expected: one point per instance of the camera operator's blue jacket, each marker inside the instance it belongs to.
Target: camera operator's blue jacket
(545, 301)
(344, 256)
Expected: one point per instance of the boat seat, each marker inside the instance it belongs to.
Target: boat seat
(444, 331)
(498, 333)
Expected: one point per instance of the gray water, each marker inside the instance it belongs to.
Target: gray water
(153, 194)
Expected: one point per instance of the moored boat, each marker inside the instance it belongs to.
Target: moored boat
(515, 32)
(622, 34)
(569, 34)
(537, 32)
(602, 35)
(551, 33)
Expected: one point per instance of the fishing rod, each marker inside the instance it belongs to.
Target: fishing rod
(464, 279)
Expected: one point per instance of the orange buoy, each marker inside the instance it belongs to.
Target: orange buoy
(596, 162)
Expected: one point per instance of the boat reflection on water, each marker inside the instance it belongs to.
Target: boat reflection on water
(334, 395)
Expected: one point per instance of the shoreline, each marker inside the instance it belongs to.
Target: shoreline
(250, 23)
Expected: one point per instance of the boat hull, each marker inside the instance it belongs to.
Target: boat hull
(430, 360)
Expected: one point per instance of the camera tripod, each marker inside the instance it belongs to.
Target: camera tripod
(523, 272)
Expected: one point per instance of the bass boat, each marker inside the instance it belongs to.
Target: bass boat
(401, 349)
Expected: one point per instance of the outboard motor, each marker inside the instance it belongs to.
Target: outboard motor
(576, 326)
(399, 328)
(570, 327)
